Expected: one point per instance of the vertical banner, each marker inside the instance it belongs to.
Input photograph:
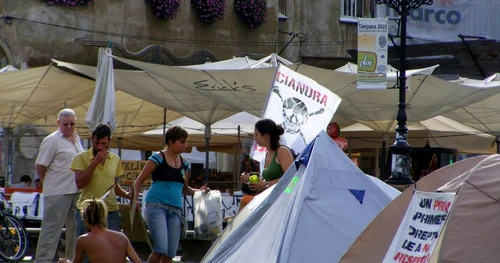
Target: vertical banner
(372, 53)
(421, 227)
(301, 105)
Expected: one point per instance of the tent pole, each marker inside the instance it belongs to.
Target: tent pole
(208, 134)
(164, 122)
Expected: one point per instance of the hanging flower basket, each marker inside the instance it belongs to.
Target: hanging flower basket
(209, 11)
(251, 12)
(69, 2)
(165, 9)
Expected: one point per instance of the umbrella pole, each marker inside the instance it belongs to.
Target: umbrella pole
(120, 147)
(5, 144)
(238, 160)
(382, 159)
(164, 122)
(497, 140)
(208, 134)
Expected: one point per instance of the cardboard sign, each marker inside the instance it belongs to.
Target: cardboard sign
(131, 170)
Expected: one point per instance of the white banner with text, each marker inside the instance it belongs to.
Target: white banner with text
(301, 105)
(421, 227)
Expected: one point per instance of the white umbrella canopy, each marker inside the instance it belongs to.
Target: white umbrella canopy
(235, 90)
(102, 106)
(427, 96)
(482, 115)
(133, 116)
(163, 92)
(30, 94)
(227, 128)
(247, 90)
(36, 95)
(438, 131)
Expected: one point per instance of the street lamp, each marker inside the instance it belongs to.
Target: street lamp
(400, 172)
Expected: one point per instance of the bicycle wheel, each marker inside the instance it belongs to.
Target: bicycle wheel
(13, 238)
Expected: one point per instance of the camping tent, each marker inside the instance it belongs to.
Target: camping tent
(471, 232)
(312, 214)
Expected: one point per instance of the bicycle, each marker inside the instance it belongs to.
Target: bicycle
(13, 237)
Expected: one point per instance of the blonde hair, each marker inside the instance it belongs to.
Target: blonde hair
(94, 213)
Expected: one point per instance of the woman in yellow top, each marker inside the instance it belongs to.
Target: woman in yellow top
(278, 157)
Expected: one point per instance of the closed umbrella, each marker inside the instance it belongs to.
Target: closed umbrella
(102, 106)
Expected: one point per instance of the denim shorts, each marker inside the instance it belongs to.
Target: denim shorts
(164, 223)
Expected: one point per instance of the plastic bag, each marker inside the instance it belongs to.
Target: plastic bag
(207, 214)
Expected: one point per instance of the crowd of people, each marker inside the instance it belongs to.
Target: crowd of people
(81, 188)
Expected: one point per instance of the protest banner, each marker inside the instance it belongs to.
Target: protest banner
(372, 53)
(301, 105)
(421, 227)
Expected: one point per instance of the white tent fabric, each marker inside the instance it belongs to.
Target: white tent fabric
(102, 106)
(312, 215)
(471, 231)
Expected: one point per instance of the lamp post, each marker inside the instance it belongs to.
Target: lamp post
(400, 171)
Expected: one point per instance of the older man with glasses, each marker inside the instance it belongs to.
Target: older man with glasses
(56, 154)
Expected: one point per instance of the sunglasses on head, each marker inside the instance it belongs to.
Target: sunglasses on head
(72, 124)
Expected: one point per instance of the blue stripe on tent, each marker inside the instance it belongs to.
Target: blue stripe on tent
(359, 194)
(305, 155)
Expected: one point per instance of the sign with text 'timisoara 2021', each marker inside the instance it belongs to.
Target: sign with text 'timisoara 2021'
(372, 53)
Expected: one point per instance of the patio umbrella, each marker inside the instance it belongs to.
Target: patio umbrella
(482, 115)
(102, 107)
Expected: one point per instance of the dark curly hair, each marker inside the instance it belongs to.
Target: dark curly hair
(268, 126)
(101, 131)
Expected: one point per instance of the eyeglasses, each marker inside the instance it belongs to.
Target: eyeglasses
(72, 124)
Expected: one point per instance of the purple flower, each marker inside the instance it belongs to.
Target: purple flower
(210, 10)
(251, 12)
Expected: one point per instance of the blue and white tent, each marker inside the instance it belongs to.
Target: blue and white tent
(313, 214)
